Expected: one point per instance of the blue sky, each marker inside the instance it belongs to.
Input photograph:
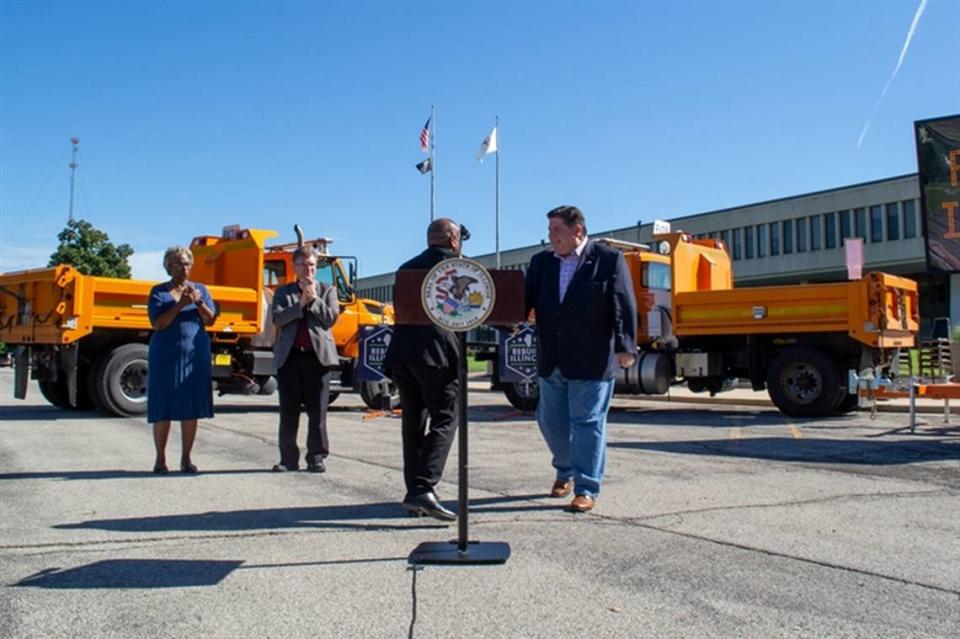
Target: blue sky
(194, 115)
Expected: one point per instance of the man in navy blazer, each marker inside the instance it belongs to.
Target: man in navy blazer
(423, 362)
(586, 315)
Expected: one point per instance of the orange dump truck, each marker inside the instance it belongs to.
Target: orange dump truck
(799, 342)
(84, 338)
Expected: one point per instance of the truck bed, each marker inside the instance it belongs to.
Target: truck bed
(59, 305)
(879, 310)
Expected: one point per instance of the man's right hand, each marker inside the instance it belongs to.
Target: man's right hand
(308, 292)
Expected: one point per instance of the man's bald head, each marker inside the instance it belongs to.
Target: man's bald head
(445, 233)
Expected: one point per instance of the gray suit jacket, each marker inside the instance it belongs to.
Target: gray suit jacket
(321, 315)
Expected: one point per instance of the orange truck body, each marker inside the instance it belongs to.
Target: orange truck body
(797, 341)
(84, 337)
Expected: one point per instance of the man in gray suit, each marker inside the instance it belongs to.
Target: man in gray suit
(304, 311)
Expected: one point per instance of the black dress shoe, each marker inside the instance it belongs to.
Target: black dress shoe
(316, 467)
(427, 504)
(280, 468)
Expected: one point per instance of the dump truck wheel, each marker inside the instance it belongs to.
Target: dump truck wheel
(93, 385)
(523, 395)
(373, 396)
(803, 382)
(122, 382)
(56, 394)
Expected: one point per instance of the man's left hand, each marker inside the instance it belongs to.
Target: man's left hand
(626, 360)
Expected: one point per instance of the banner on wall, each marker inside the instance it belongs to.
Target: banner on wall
(938, 166)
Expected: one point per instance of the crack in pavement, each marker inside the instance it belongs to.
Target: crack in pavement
(799, 502)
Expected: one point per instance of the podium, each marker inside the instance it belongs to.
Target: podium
(411, 304)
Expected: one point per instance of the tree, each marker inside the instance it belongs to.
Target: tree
(90, 251)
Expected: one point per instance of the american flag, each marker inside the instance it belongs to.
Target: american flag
(425, 136)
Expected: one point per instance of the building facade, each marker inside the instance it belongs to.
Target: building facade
(793, 240)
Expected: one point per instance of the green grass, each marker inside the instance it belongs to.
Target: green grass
(473, 366)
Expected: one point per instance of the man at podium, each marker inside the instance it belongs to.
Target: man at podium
(423, 362)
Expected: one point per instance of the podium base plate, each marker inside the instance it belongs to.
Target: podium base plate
(448, 552)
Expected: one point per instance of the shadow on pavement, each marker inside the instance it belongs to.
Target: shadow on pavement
(239, 409)
(68, 475)
(492, 504)
(278, 518)
(162, 573)
(257, 519)
(46, 413)
(719, 417)
(846, 451)
(499, 414)
(134, 573)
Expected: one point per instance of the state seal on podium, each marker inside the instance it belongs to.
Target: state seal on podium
(458, 294)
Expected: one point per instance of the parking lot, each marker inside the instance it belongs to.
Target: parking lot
(715, 520)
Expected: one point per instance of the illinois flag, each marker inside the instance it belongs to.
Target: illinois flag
(489, 145)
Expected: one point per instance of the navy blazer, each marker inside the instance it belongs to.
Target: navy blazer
(596, 320)
(423, 345)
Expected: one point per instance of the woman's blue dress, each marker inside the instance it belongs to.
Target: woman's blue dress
(179, 381)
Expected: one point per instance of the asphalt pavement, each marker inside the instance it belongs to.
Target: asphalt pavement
(716, 519)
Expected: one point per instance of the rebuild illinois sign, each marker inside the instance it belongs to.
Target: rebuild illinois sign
(518, 355)
(938, 164)
(374, 341)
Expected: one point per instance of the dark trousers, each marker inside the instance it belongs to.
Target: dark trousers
(303, 382)
(426, 392)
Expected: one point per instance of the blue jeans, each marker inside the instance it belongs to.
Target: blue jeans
(572, 415)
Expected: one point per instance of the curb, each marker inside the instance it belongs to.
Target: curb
(922, 409)
(925, 409)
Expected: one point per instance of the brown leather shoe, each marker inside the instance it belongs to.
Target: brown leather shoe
(561, 488)
(582, 504)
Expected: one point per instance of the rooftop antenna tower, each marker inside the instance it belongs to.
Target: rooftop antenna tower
(73, 170)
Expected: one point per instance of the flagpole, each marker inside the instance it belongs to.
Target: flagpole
(497, 233)
(433, 161)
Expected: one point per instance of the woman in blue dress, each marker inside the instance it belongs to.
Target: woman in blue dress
(179, 383)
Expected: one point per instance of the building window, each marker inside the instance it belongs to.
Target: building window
(846, 226)
(830, 234)
(860, 223)
(801, 224)
(815, 232)
(876, 223)
(774, 238)
(725, 236)
(737, 242)
(761, 240)
(748, 242)
(787, 236)
(893, 222)
(909, 218)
